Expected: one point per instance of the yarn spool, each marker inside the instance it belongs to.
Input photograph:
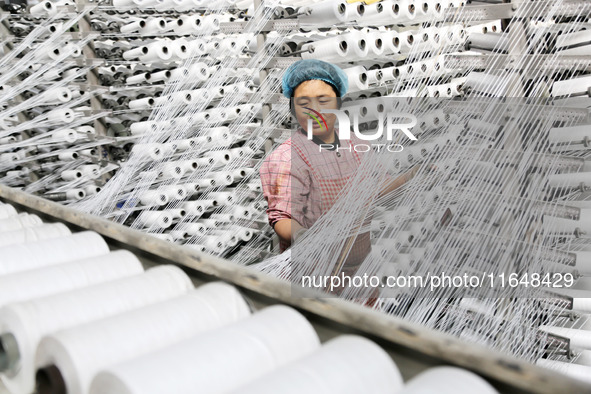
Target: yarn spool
(24, 324)
(156, 51)
(345, 365)
(333, 48)
(580, 339)
(33, 255)
(131, 27)
(194, 208)
(7, 211)
(20, 221)
(162, 324)
(33, 234)
(148, 151)
(65, 135)
(156, 219)
(325, 13)
(580, 372)
(61, 116)
(447, 380)
(26, 285)
(44, 7)
(257, 345)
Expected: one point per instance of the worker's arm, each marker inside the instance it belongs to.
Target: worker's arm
(287, 229)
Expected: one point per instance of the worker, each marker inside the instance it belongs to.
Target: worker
(300, 181)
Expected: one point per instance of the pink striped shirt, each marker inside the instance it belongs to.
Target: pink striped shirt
(289, 186)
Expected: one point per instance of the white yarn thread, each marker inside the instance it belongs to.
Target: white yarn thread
(447, 380)
(580, 372)
(31, 320)
(7, 211)
(153, 197)
(345, 365)
(138, 332)
(65, 135)
(22, 220)
(34, 255)
(244, 351)
(333, 48)
(71, 175)
(61, 116)
(33, 234)
(325, 13)
(26, 285)
(75, 194)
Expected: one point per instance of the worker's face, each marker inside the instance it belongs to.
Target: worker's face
(316, 95)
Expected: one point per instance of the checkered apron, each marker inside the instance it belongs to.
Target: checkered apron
(330, 189)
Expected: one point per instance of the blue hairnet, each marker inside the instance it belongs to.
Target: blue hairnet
(307, 69)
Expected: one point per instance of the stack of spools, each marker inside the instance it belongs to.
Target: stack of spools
(49, 144)
(139, 52)
(180, 91)
(76, 318)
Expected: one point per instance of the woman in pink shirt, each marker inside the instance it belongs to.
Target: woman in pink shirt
(302, 177)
